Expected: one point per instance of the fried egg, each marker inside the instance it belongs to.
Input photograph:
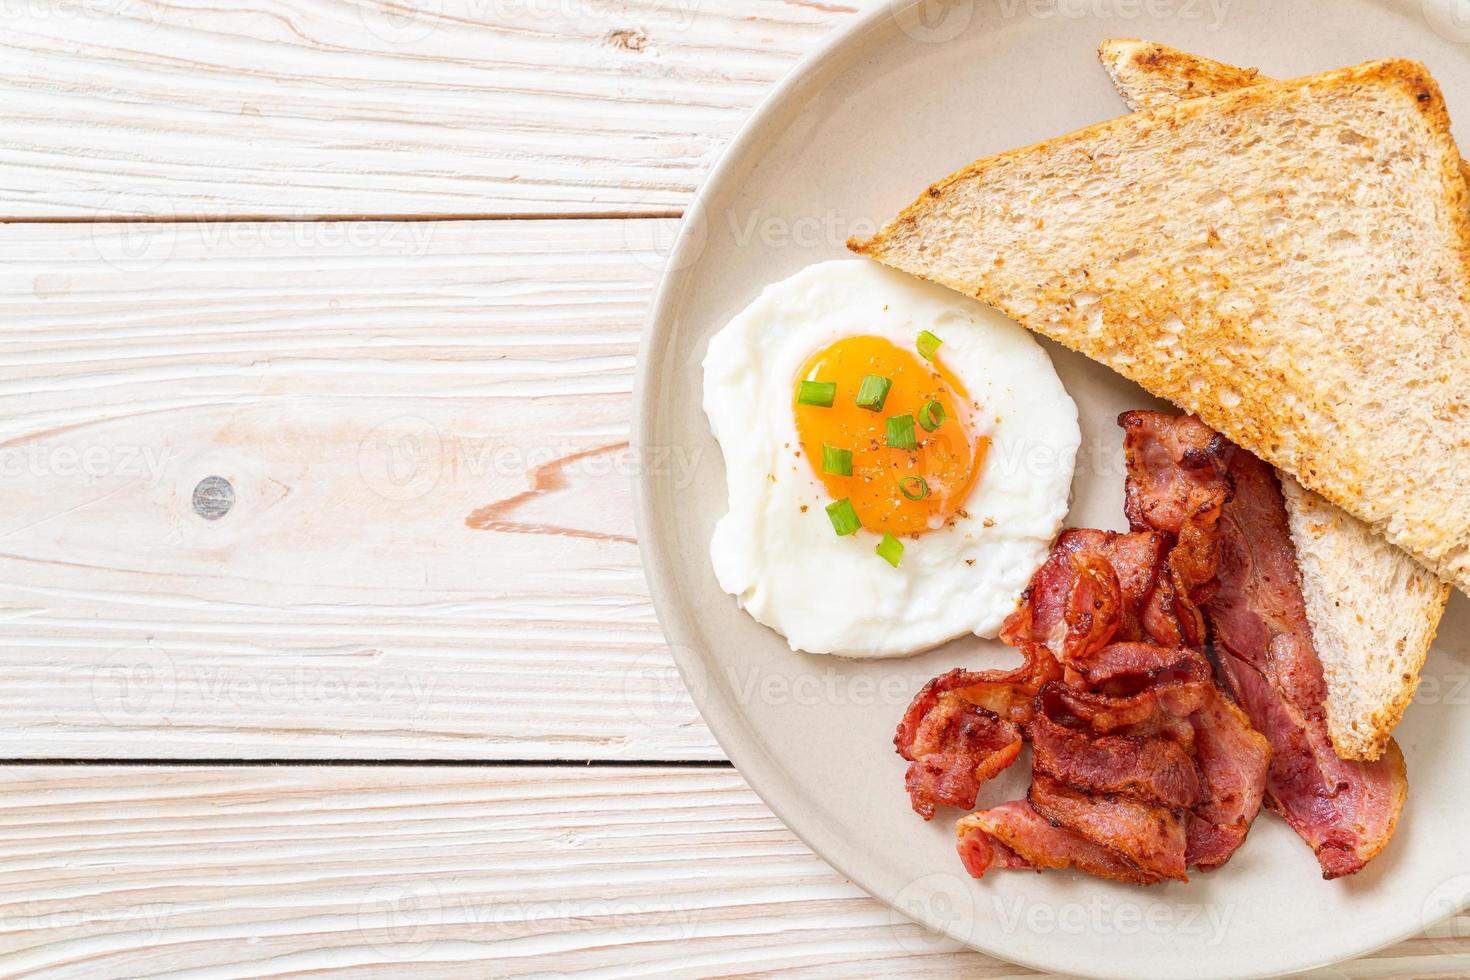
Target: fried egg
(898, 460)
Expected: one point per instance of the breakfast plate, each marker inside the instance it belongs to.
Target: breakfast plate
(905, 94)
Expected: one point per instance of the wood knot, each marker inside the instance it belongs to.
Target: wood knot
(627, 38)
(213, 497)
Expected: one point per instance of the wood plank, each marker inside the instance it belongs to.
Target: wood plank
(382, 107)
(430, 553)
(418, 872)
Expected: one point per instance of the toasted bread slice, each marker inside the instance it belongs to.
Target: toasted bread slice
(1290, 261)
(1374, 610)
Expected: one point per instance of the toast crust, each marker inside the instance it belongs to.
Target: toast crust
(1148, 74)
(1270, 405)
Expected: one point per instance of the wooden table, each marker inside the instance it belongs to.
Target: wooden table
(325, 641)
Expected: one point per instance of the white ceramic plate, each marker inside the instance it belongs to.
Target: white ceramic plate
(907, 94)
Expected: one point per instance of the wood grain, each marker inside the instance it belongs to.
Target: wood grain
(431, 551)
(429, 554)
(421, 872)
(381, 107)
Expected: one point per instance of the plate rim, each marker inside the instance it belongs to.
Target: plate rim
(722, 720)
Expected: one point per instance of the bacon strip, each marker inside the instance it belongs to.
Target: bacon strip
(1149, 768)
(1233, 760)
(1013, 835)
(1091, 591)
(1175, 468)
(1141, 767)
(1151, 837)
(964, 728)
(1129, 668)
(1146, 767)
(1346, 811)
(1178, 692)
(1177, 486)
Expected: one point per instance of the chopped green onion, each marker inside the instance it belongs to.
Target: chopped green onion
(928, 345)
(837, 462)
(919, 484)
(816, 393)
(932, 416)
(890, 549)
(873, 392)
(901, 432)
(844, 518)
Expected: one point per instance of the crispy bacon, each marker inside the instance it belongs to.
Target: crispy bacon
(1176, 466)
(965, 727)
(1091, 591)
(1138, 803)
(976, 747)
(1013, 835)
(1233, 760)
(1177, 485)
(1121, 668)
(1142, 766)
(1152, 837)
(1176, 692)
(1094, 607)
(1345, 811)
(1150, 768)
(979, 852)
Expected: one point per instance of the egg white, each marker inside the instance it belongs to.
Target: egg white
(830, 594)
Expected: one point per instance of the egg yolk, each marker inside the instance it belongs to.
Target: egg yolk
(947, 460)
